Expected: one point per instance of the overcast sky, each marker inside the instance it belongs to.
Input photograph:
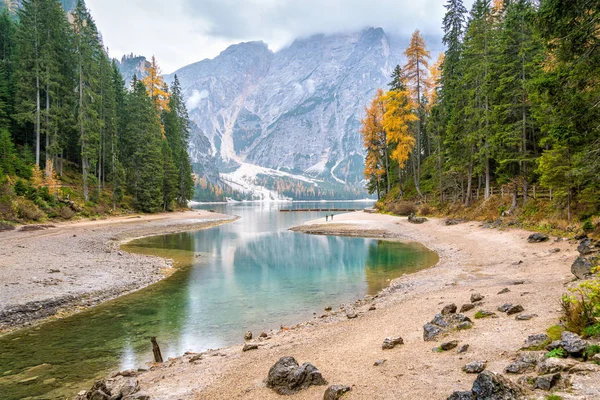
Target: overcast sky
(180, 32)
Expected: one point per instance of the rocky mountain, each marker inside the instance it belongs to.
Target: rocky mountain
(293, 114)
(131, 65)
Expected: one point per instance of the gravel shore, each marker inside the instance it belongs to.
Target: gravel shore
(473, 259)
(54, 270)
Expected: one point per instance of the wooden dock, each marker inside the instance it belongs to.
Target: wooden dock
(321, 210)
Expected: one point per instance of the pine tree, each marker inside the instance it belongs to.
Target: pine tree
(144, 168)
(7, 45)
(170, 176)
(88, 51)
(398, 79)
(567, 101)
(177, 131)
(29, 72)
(517, 62)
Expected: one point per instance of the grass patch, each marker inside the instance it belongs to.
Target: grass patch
(483, 314)
(591, 351)
(553, 397)
(555, 332)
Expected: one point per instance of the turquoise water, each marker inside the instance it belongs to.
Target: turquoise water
(252, 274)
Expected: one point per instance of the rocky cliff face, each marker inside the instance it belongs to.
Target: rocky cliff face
(296, 111)
(131, 65)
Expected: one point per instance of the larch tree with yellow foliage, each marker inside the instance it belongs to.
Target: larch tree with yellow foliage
(397, 120)
(156, 86)
(377, 164)
(416, 71)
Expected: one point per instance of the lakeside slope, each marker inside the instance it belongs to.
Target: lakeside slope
(67, 267)
(473, 259)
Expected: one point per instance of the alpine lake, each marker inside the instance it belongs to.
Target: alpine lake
(252, 274)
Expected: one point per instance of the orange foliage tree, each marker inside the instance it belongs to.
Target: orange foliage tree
(156, 86)
(375, 142)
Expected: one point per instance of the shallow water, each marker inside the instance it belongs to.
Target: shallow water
(252, 274)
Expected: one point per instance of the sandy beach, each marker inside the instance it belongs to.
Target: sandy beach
(67, 267)
(473, 259)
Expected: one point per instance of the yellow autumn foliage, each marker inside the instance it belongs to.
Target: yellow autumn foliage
(397, 119)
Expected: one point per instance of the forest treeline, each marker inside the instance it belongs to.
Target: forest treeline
(513, 105)
(64, 108)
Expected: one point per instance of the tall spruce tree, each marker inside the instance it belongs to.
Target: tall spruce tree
(177, 132)
(88, 52)
(144, 164)
(517, 61)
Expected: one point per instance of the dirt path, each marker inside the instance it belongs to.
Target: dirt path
(472, 259)
(71, 266)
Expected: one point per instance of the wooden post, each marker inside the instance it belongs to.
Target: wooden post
(534, 194)
(156, 350)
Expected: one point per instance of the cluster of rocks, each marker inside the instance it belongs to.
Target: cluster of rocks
(121, 386)
(490, 386)
(447, 320)
(287, 377)
(412, 218)
(253, 346)
(588, 259)
(548, 372)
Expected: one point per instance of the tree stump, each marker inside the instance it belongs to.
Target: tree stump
(156, 350)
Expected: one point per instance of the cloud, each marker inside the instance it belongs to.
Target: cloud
(180, 32)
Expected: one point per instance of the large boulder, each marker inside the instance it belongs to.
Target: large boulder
(491, 386)
(391, 342)
(582, 267)
(572, 343)
(525, 362)
(287, 377)
(431, 332)
(537, 238)
(553, 365)
(449, 309)
(474, 367)
(587, 246)
(536, 341)
(547, 382)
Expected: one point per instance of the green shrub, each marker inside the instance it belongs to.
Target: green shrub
(20, 187)
(403, 208)
(425, 210)
(581, 311)
(27, 210)
(66, 213)
(556, 353)
(592, 331)
(588, 226)
(591, 351)
(8, 210)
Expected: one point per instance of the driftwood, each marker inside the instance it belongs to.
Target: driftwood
(156, 350)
